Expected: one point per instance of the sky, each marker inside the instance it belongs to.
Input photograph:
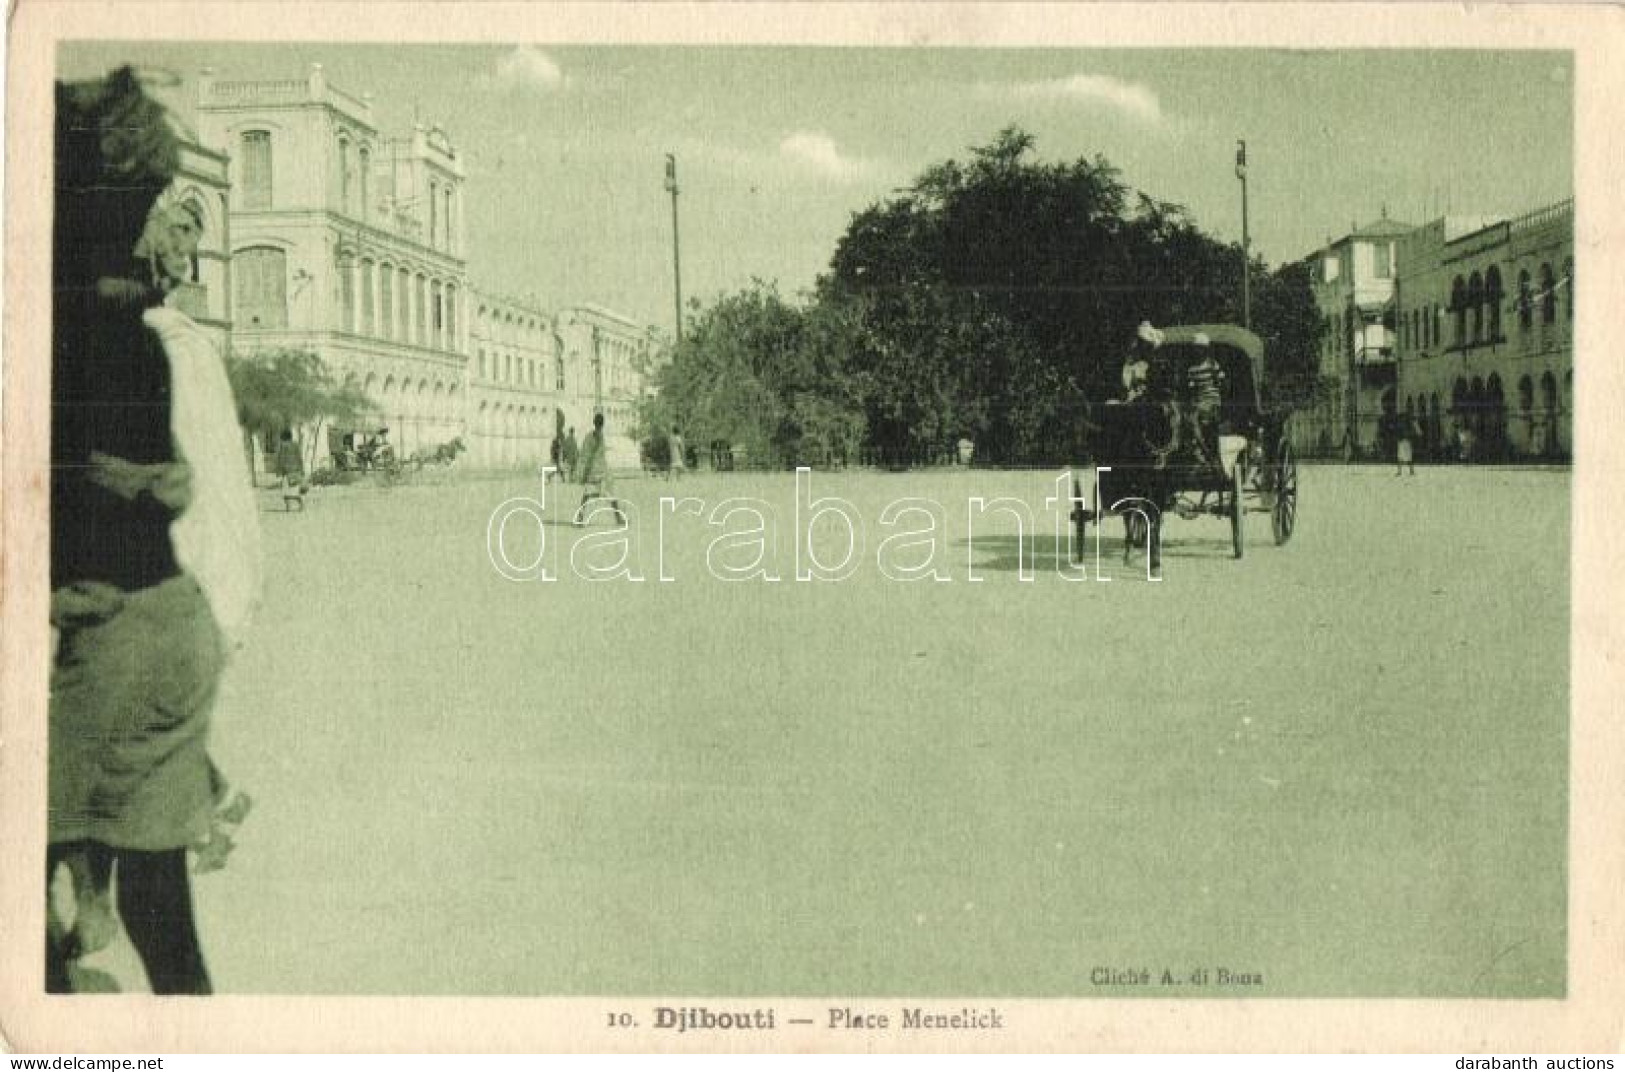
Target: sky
(778, 147)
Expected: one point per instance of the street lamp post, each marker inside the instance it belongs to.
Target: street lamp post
(1246, 242)
(676, 257)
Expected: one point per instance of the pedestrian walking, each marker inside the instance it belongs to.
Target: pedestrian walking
(555, 458)
(679, 456)
(1405, 449)
(572, 454)
(154, 543)
(290, 466)
(596, 482)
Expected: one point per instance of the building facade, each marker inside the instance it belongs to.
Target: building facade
(1485, 311)
(338, 239)
(347, 243)
(515, 381)
(1354, 281)
(607, 358)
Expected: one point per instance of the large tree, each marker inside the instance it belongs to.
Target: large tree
(999, 294)
(765, 375)
(289, 388)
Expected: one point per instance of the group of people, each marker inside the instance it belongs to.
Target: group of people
(1195, 403)
(155, 560)
(586, 464)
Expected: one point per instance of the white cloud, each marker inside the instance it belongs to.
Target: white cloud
(1130, 98)
(529, 68)
(820, 152)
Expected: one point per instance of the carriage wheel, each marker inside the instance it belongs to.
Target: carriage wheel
(1237, 506)
(1284, 515)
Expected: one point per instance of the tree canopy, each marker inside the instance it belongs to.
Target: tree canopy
(992, 299)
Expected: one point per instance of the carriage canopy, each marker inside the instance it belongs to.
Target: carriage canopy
(1238, 351)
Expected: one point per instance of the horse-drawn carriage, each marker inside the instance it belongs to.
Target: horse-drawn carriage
(1152, 455)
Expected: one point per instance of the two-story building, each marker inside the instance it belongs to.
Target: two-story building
(516, 380)
(606, 358)
(347, 243)
(1354, 290)
(1485, 310)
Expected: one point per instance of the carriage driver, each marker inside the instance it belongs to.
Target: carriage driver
(1204, 384)
(1137, 369)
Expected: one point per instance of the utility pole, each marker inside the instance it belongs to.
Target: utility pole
(676, 255)
(1246, 241)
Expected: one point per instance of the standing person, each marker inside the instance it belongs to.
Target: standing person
(154, 541)
(1204, 381)
(555, 458)
(1405, 445)
(572, 454)
(1137, 367)
(290, 466)
(596, 482)
(679, 456)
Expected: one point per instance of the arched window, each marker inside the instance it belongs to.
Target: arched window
(1458, 305)
(1568, 285)
(386, 301)
(369, 324)
(1548, 295)
(451, 319)
(434, 215)
(1475, 307)
(1526, 306)
(482, 362)
(256, 174)
(1438, 326)
(346, 183)
(448, 216)
(344, 265)
(437, 315)
(260, 279)
(364, 178)
(558, 371)
(423, 310)
(1548, 393)
(1492, 302)
(1526, 394)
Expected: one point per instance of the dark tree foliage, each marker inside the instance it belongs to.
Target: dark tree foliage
(994, 299)
(766, 376)
(1005, 291)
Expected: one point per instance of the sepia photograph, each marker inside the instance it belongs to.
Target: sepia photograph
(809, 544)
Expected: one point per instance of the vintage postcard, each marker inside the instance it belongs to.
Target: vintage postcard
(808, 527)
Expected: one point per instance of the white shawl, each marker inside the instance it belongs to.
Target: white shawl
(217, 537)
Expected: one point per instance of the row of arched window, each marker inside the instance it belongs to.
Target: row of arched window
(1477, 302)
(1478, 405)
(382, 300)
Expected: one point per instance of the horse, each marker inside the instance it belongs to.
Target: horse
(1134, 445)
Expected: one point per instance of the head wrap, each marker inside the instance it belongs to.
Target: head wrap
(115, 154)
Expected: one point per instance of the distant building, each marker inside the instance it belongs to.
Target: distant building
(607, 357)
(516, 381)
(326, 235)
(347, 243)
(1353, 282)
(1486, 334)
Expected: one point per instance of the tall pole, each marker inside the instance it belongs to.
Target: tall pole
(1246, 241)
(676, 256)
